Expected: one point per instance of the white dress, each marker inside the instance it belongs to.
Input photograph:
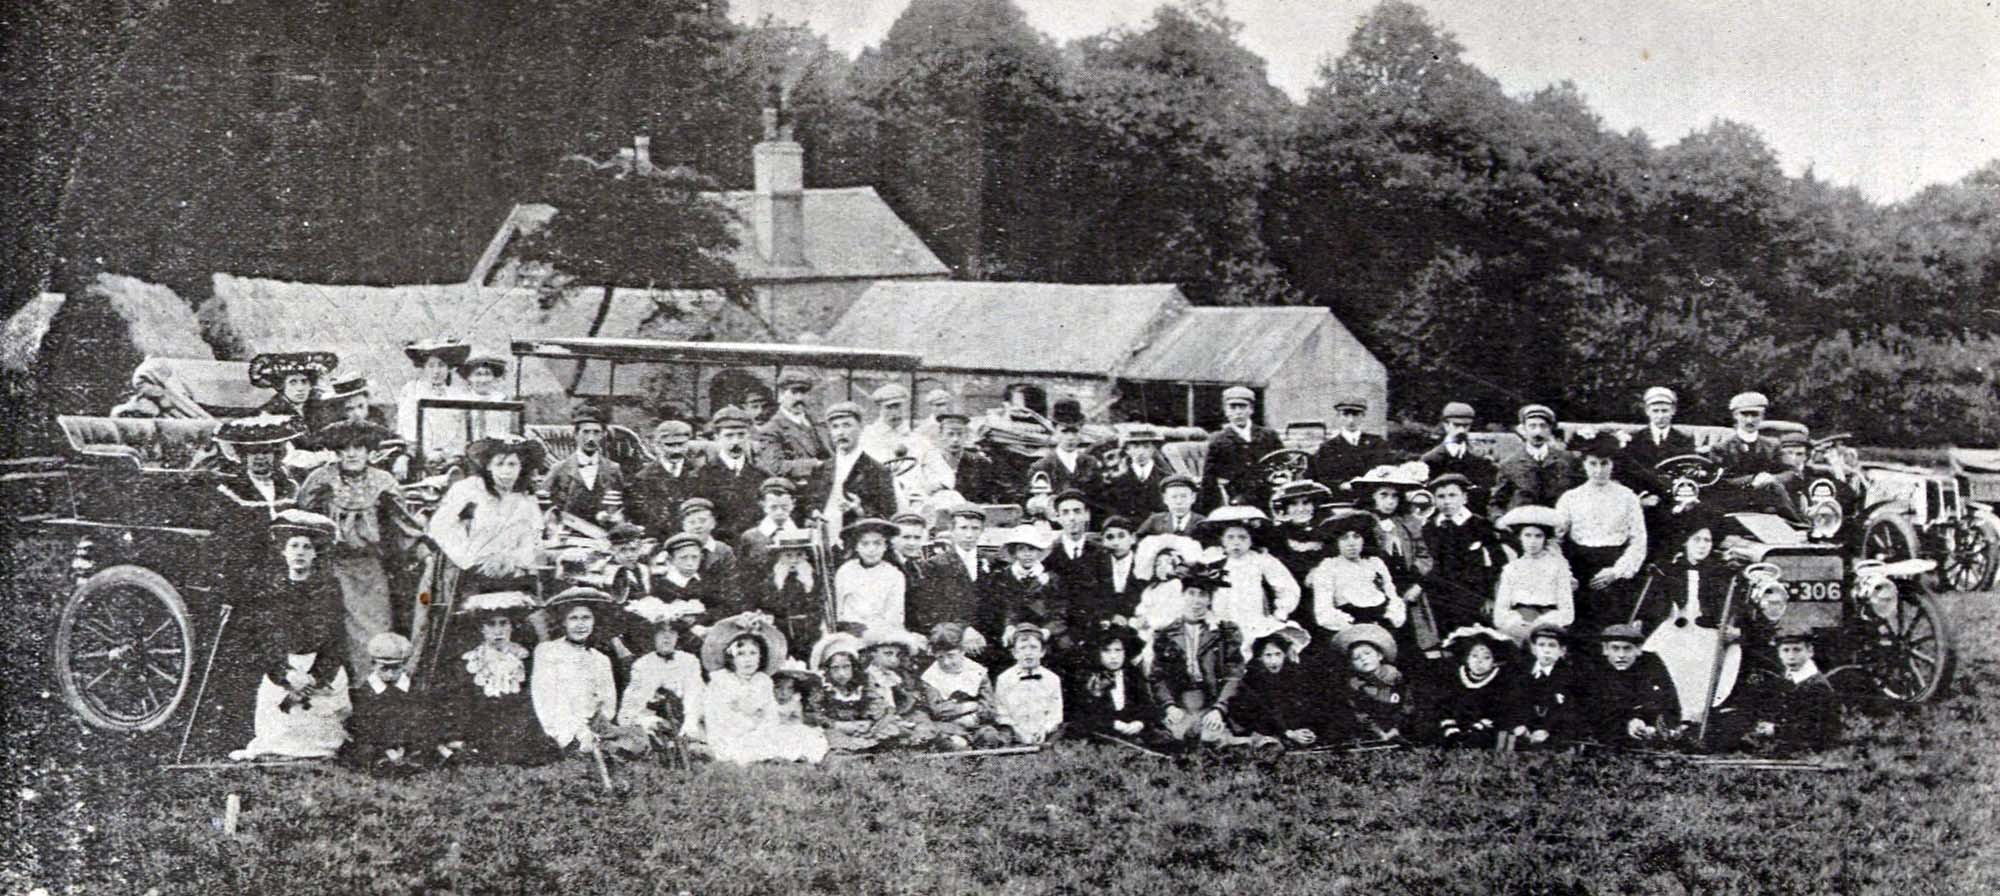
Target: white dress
(1251, 577)
(472, 526)
(741, 723)
(1160, 606)
(870, 595)
(571, 687)
(315, 732)
(652, 674)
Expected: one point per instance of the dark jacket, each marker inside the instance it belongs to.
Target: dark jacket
(1466, 561)
(1467, 714)
(788, 449)
(1741, 461)
(653, 497)
(1556, 702)
(568, 493)
(1087, 701)
(1336, 461)
(737, 495)
(1218, 654)
(867, 480)
(943, 592)
(1480, 470)
(1634, 465)
(1088, 477)
(1272, 703)
(1668, 589)
(1522, 480)
(1086, 579)
(1134, 498)
(1006, 599)
(1644, 692)
(1162, 524)
(1231, 463)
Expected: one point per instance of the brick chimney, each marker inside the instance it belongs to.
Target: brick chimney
(642, 154)
(779, 211)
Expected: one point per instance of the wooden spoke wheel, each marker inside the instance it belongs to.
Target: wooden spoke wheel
(1889, 537)
(124, 650)
(1911, 657)
(1974, 556)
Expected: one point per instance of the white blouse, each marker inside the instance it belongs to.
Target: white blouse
(571, 686)
(870, 595)
(651, 674)
(1338, 582)
(507, 528)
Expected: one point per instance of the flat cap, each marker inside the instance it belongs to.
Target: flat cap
(729, 417)
(1350, 402)
(1238, 393)
(1748, 401)
(1661, 395)
(890, 393)
(843, 409)
(673, 431)
(1457, 411)
(1538, 411)
(776, 485)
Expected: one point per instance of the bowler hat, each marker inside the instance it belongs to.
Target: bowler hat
(589, 414)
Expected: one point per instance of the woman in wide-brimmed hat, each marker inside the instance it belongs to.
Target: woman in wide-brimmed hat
(739, 708)
(485, 689)
(302, 701)
(444, 430)
(1262, 593)
(293, 377)
(485, 379)
(575, 695)
(361, 500)
(1353, 586)
(488, 523)
(1401, 535)
(1157, 561)
(1536, 586)
(252, 448)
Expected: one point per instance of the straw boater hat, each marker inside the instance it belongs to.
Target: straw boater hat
(911, 642)
(346, 386)
(1532, 515)
(1235, 515)
(268, 371)
(321, 529)
(835, 643)
(264, 432)
(497, 604)
(791, 538)
(1041, 537)
(715, 644)
(485, 359)
(861, 527)
(1465, 637)
(1370, 634)
(581, 594)
(1403, 476)
(451, 351)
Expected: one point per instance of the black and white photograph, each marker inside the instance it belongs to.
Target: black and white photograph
(777, 447)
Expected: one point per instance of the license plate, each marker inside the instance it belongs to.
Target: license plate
(1814, 592)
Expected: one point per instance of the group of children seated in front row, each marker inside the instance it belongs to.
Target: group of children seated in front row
(623, 677)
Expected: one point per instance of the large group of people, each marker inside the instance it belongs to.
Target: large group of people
(805, 582)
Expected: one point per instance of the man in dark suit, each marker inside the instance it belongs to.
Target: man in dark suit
(1066, 465)
(1752, 463)
(790, 443)
(1026, 590)
(973, 474)
(731, 479)
(1122, 590)
(577, 485)
(1229, 472)
(1078, 560)
(1134, 491)
(1646, 448)
(1539, 471)
(753, 545)
(1348, 452)
(1466, 557)
(951, 578)
(851, 485)
(1455, 455)
(1177, 492)
(653, 495)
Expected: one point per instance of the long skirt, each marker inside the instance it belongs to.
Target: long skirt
(1598, 607)
(364, 595)
(1688, 650)
(313, 732)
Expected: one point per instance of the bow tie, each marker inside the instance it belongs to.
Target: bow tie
(1031, 676)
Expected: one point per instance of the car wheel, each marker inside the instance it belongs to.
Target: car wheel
(124, 650)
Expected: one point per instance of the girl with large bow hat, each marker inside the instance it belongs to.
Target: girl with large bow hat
(739, 708)
(302, 701)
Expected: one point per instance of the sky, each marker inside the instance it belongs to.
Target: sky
(1889, 97)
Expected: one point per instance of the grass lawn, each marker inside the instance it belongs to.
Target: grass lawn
(1912, 814)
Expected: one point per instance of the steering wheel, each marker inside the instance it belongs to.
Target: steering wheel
(1698, 470)
(1284, 465)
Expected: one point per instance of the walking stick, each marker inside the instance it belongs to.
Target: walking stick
(603, 773)
(1111, 739)
(201, 690)
(1715, 667)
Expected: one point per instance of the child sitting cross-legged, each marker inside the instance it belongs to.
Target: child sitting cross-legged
(1110, 697)
(1028, 697)
(855, 716)
(741, 717)
(957, 692)
(1550, 691)
(1378, 695)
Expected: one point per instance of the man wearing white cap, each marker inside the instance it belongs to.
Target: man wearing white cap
(1230, 472)
(1348, 452)
(1657, 442)
(891, 429)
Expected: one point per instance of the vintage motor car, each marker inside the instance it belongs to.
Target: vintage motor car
(1879, 636)
(1912, 511)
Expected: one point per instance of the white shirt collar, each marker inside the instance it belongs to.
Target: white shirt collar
(1458, 519)
(378, 686)
(1806, 671)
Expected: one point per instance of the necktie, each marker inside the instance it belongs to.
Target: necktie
(1031, 676)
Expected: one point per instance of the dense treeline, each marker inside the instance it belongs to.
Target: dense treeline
(1492, 247)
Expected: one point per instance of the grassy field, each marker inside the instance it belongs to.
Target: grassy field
(1914, 813)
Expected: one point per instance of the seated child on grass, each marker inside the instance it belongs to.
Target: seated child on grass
(1027, 697)
(1112, 697)
(1378, 696)
(958, 694)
